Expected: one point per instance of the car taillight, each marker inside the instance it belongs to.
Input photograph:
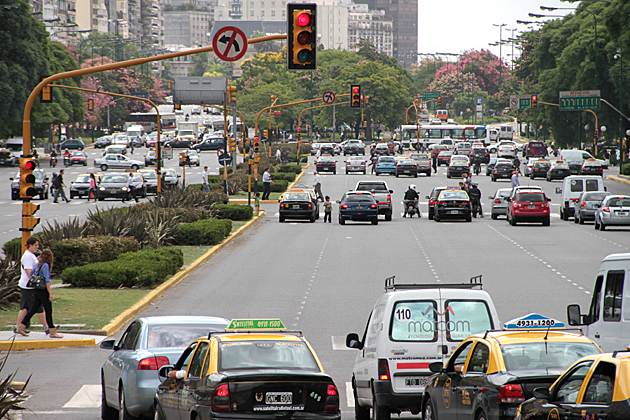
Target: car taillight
(496, 172)
(467, 202)
(383, 370)
(487, 154)
(332, 399)
(432, 202)
(574, 199)
(606, 209)
(286, 206)
(362, 163)
(373, 206)
(344, 206)
(511, 393)
(389, 198)
(583, 204)
(544, 205)
(310, 205)
(153, 363)
(441, 203)
(221, 398)
(497, 201)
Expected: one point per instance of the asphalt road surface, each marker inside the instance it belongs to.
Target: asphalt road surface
(323, 279)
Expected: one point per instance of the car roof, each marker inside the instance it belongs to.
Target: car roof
(184, 319)
(235, 337)
(530, 336)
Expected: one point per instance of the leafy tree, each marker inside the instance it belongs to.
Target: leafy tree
(200, 65)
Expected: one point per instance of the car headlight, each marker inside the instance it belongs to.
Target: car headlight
(124, 188)
(102, 188)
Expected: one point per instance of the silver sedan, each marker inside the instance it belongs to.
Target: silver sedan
(129, 376)
(614, 211)
(356, 164)
(117, 161)
(499, 202)
(587, 205)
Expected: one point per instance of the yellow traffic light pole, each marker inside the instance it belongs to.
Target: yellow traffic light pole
(274, 100)
(596, 123)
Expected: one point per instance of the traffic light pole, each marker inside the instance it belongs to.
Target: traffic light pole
(596, 123)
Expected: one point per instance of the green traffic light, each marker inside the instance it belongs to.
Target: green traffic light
(304, 56)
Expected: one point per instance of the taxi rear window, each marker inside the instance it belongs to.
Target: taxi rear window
(545, 355)
(266, 355)
(297, 196)
(414, 321)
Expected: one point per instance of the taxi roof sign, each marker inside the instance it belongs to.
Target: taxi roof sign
(237, 325)
(533, 322)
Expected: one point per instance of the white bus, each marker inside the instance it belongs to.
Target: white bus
(434, 133)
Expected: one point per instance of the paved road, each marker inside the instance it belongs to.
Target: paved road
(323, 279)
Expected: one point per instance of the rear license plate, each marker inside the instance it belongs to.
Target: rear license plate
(531, 207)
(422, 381)
(621, 213)
(295, 206)
(279, 398)
(454, 211)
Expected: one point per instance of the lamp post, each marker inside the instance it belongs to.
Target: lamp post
(621, 140)
(500, 55)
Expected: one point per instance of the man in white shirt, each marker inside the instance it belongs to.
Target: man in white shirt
(317, 184)
(514, 179)
(27, 295)
(205, 187)
(131, 189)
(266, 184)
(279, 156)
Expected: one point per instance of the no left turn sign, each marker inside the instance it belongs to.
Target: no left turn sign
(229, 43)
(328, 97)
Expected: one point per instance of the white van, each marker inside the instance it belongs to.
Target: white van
(505, 132)
(608, 319)
(575, 159)
(411, 326)
(493, 135)
(572, 187)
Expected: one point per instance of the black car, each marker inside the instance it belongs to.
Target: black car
(115, 186)
(327, 149)
(407, 167)
(354, 149)
(72, 144)
(41, 185)
(180, 143)
(209, 143)
(433, 199)
(480, 152)
(457, 168)
(540, 169)
(558, 171)
(592, 168)
(502, 170)
(326, 164)
(358, 206)
(103, 142)
(81, 185)
(297, 205)
(453, 204)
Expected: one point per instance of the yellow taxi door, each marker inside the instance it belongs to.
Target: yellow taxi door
(187, 396)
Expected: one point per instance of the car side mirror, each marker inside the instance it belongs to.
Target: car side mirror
(10, 179)
(558, 190)
(427, 197)
(541, 393)
(353, 342)
(508, 199)
(436, 367)
(548, 199)
(164, 370)
(391, 191)
(489, 197)
(338, 201)
(108, 345)
(574, 315)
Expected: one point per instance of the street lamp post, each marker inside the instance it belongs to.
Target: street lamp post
(500, 55)
(621, 140)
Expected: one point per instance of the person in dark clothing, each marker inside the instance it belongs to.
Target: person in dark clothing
(434, 161)
(475, 197)
(373, 161)
(59, 186)
(411, 195)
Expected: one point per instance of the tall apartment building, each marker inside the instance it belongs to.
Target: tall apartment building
(187, 27)
(372, 25)
(92, 15)
(404, 15)
(59, 16)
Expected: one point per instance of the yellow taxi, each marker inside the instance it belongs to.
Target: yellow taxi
(255, 368)
(594, 387)
(539, 169)
(558, 170)
(302, 188)
(489, 375)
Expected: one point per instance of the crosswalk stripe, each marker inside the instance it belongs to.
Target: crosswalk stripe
(349, 395)
(89, 396)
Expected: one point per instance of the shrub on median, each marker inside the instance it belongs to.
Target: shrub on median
(204, 232)
(295, 168)
(13, 249)
(277, 186)
(625, 169)
(284, 176)
(233, 211)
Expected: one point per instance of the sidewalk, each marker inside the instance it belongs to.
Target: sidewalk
(625, 179)
(38, 340)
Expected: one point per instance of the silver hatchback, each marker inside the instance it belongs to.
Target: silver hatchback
(614, 211)
(499, 202)
(356, 164)
(587, 204)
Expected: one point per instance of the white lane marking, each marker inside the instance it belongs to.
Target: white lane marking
(339, 342)
(349, 395)
(89, 396)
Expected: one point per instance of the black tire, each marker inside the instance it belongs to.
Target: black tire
(365, 172)
(134, 167)
(565, 216)
(581, 221)
(71, 196)
(101, 198)
(436, 217)
(469, 219)
(430, 215)
(397, 176)
(312, 219)
(341, 221)
(494, 216)
(103, 167)
(429, 174)
(546, 222)
(375, 222)
(429, 411)
(494, 179)
(107, 413)
(281, 219)
(380, 413)
(512, 221)
(481, 416)
(123, 414)
(388, 217)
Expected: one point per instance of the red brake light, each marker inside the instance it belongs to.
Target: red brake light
(432, 202)
(383, 370)
(583, 204)
(332, 400)
(344, 206)
(497, 201)
(332, 390)
(606, 209)
(153, 363)
(441, 203)
(221, 398)
(466, 202)
(373, 206)
(511, 393)
(310, 205)
(389, 198)
(496, 172)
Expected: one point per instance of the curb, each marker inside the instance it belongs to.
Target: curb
(50, 343)
(618, 179)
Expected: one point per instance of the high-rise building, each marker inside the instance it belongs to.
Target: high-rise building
(92, 15)
(370, 25)
(189, 28)
(404, 15)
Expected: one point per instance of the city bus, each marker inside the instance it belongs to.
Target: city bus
(434, 133)
(149, 121)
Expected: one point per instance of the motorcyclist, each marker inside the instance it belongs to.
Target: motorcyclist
(477, 164)
(373, 162)
(475, 198)
(517, 164)
(66, 157)
(53, 158)
(411, 195)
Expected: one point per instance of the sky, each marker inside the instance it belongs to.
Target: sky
(453, 26)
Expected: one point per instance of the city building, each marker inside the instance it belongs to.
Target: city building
(404, 15)
(179, 66)
(92, 15)
(59, 16)
(371, 25)
(187, 27)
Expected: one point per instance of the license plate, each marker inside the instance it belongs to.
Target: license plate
(279, 398)
(621, 213)
(422, 381)
(295, 206)
(531, 207)
(454, 211)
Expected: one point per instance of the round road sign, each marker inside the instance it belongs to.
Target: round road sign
(514, 102)
(229, 43)
(328, 97)
(225, 159)
(220, 152)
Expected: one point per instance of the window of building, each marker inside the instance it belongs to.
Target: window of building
(273, 13)
(251, 13)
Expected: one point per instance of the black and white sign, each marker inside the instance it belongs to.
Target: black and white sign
(328, 97)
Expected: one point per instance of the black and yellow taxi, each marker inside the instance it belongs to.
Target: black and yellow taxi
(452, 204)
(539, 169)
(558, 170)
(490, 374)
(255, 369)
(592, 167)
(297, 205)
(593, 388)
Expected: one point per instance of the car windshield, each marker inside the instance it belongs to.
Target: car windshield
(39, 175)
(266, 355)
(445, 153)
(78, 154)
(117, 179)
(595, 196)
(178, 335)
(541, 165)
(359, 198)
(406, 162)
(387, 159)
(547, 355)
(561, 166)
(371, 186)
(356, 159)
(297, 196)
(149, 175)
(81, 179)
(454, 195)
(504, 193)
(326, 159)
(150, 154)
(531, 197)
(504, 166)
(171, 173)
(619, 202)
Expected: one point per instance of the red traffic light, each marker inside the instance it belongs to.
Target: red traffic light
(303, 19)
(355, 89)
(29, 165)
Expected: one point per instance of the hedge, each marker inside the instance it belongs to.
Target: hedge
(277, 186)
(204, 232)
(290, 168)
(283, 176)
(91, 249)
(133, 269)
(233, 211)
(13, 249)
(625, 169)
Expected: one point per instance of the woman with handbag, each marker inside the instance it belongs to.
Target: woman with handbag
(40, 282)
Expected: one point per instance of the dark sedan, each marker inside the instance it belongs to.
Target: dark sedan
(587, 205)
(181, 143)
(209, 143)
(103, 142)
(354, 149)
(558, 171)
(326, 164)
(358, 206)
(327, 149)
(502, 170)
(407, 167)
(113, 186)
(433, 199)
(481, 153)
(73, 144)
(592, 167)
(490, 167)
(457, 168)
(81, 185)
(540, 169)
(297, 205)
(423, 161)
(444, 157)
(453, 204)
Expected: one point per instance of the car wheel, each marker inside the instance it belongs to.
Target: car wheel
(379, 413)
(494, 179)
(134, 167)
(376, 173)
(101, 198)
(107, 413)
(103, 167)
(71, 196)
(447, 175)
(493, 216)
(365, 172)
(312, 219)
(341, 221)
(397, 176)
(158, 413)
(388, 217)
(360, 413)
(375, 222)
(281, 219)
(430, 215)
(481, 416)
(469, 219)
(429, 412)
(123, 414)
(565, 216)
(85, 164)
(546, 222)
(436, 217)
(415, 175)
(512, 221)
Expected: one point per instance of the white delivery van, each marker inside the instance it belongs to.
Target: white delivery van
(572, 187)
(411, 326)
(493, 135)
(608, 319)
(575, 159)
(505, 132)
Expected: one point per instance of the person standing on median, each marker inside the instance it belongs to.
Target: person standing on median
(317, 185)
(205, 187)
(131, 189)
(266, 184)
(27, 295)
(59, 186)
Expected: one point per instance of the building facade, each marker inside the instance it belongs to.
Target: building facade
(370, 25)
(404, 15)
(187, 27)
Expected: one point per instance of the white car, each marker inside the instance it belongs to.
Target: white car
(505, 151)
(337, 148)
(530, 165)
(193, 155)
(517, 146)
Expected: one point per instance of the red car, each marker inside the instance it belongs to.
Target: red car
(528, 206)
(77, 158)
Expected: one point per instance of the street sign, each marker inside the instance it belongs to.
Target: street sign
(199, 90)
(429, 96)
(167, 153)
(479, 107)
(479, 115)
(328, 97)
(521, 101)
(580, 100)
(229, 43)
(479, 101)
(225, 159)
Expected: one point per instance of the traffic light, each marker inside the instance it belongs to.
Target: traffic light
(301, 36)
(439, 101)
(177, 106)
(90, 104)
(266, 134)
(46, 94)
(27, 177)
(256, 145)
(169, 84)
(28, 221)
(355, 96)
(534, 101)
(362, 101)
(232, 145)
(231, 93)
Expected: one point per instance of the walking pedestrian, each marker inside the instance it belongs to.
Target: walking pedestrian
(434, 162)
(467, 180)
(131, 189)
(328, 210)
(267, 184)
(514, 179)
(42, 297)
(92, 189)
(27, 294)
(205, 186)
(278, 156)
(59, 186)
(317, 185)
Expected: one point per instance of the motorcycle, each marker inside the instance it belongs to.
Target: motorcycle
(412, 208)
(53, 161)
(477, 168)
(475, 208)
